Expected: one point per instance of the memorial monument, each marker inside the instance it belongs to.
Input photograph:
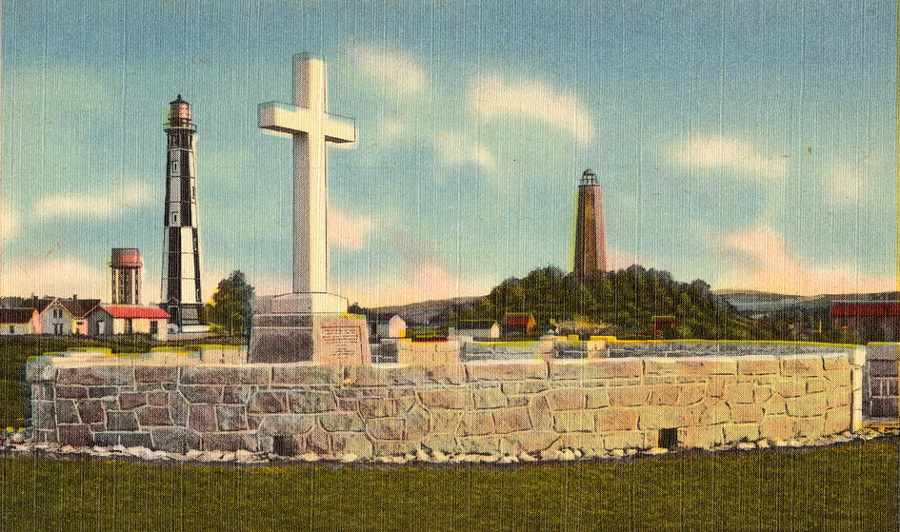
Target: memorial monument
(310, 323)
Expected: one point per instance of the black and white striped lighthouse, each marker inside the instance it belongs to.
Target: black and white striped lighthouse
(181, 255)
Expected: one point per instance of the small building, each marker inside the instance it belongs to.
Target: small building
(386, 326)
(518, 325)
(663, 324)
(108, 320)
(17, 321)
(867, 316)
(481, 329)
(60, 317)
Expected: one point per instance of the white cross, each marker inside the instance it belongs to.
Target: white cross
(311, 127)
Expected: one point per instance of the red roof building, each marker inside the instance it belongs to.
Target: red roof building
(867, 316)
(106, 320)
(518, 325)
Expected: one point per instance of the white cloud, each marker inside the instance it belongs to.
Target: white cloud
(428, 281)
(96, 206)
(346, 232)
(390, 67)
(455, 149)
(757, 259)
(55, 275)
(716, 152)
(9, 223)
(491, 96)
(844, 184)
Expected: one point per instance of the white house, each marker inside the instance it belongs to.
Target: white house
(384, 327)
(483, 329)
(63, 316)
(106, 320)
(17, 321)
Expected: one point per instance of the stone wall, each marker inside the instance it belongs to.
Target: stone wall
(593, 405)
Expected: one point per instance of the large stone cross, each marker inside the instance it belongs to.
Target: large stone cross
(311, 127)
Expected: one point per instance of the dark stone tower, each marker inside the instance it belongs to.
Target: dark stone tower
(590, 231)
(181, 253)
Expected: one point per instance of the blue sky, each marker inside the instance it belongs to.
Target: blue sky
(747, 143)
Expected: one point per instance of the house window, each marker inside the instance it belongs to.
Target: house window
(12, 329)
(154, 327)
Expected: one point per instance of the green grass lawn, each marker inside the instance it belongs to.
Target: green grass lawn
(847, 487)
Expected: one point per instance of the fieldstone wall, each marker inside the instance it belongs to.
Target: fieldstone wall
(593, 406)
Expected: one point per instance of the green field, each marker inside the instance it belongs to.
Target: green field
(848, 487)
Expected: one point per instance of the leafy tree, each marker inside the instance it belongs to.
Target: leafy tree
(230, 309)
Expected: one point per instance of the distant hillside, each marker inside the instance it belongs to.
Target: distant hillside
(757, 302)
(426, 312)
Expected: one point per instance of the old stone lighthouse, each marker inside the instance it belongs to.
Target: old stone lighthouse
(590, 230)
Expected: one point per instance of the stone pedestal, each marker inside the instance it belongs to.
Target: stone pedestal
(308, 328)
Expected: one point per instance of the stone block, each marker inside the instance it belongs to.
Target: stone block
(174, 439)
(310, 402)
(790, 388)
(749, 432)
(802, 366)
(154, 374)
(44, 436)
(836, 361)
(106, 439)
(489, 398)
(614, 419)
(444, 443)
(661, 366)
(132, 400)
(458, 399)
(307, 374)
(62, 392)
(506, 370)
(417, 422)
(706, 366)
(714, 413)
(444, 421)
(385, 428)
(738, 393)
(692, 393)
(758, 366)
(228, 441)
(589, 444)
(342, 422)
(154, 416)
(394, 448)
(774, 406)
(574, 421)
(476, 424)
(777, 428)
(202, 418)
(624, 440)
(404, 403)
(446, 374)
(664, 395)
(90, 411)
(837, 421)
(746, 413)
(158, 398)
(237, 394)
(700, 437)
(231, 418)
(629, 395)
(815, 385)
(226, 375)
(66, 411)
(595, 369)
(135, 439)
(121, 421)
(99, 392)
(352, 443)
(529, 441)
(180, 409)
(75, 435)
(268, 402)
(207, 395)
(524, 387)
(837, 398)
(658, 417)
(509, 420)
(96, 376)
(287, 423)
(479, 444)
(808, 406)
(539, 413)
(375, 407)
(40, 370)
(596, 397)
(809, 428)
(761, 394)
(566, 399)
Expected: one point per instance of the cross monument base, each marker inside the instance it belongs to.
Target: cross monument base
(308, 328)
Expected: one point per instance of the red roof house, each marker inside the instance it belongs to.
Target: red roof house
(867, 316)
(107, 320)
(518, 325)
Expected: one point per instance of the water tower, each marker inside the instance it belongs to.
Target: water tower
(126, 267)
